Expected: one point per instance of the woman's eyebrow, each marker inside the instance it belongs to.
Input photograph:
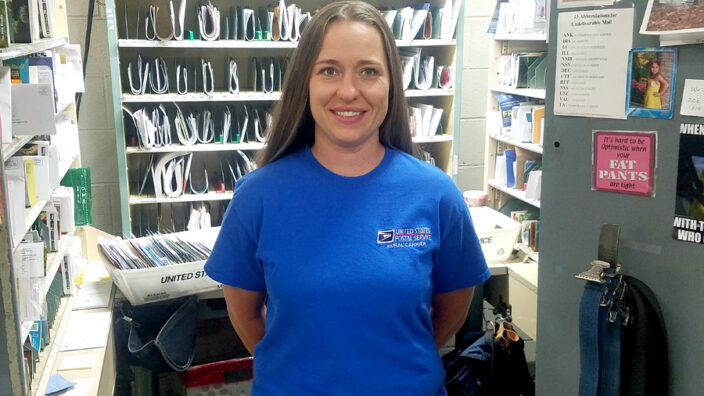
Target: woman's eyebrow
(361, 62)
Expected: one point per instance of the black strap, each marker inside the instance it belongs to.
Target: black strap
(608, 243)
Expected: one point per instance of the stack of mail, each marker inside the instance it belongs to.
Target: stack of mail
(423, 21)
(424, 120)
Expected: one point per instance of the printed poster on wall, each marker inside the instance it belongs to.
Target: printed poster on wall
(624, 162)
(592, 62)
(689, 200)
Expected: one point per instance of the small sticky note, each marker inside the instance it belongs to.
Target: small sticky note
(693, 98)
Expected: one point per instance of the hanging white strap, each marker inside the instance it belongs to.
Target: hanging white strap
(178, 30)
(234, 79)
(149, 23)
(226, 124)
(181, 79)
(159, 77)
(209, 22)
(207, 132)
(172, 19)
(142, 77)
(208, 81)
(186, 135)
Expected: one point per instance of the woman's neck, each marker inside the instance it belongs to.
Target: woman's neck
(349, 162)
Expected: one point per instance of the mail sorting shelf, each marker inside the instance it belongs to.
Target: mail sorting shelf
(246, 146)
(125, 43)
(124, 48)
(251, 96)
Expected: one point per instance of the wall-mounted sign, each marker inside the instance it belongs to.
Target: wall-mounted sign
(592, 62)
(624, 162)
(689, 199)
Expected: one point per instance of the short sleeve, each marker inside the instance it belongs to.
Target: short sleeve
(233, 261)
(459, 262)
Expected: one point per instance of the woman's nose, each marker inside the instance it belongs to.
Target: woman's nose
(348, 88)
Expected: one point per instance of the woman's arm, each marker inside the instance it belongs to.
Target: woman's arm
(448, 313)
(246, 310)
(664, 85)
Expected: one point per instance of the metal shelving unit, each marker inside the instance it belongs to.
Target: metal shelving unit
(14, 334)
(495, 144)
(531, 93)
(444, 147)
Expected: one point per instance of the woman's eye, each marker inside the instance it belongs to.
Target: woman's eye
(327, 71)
(369, 72)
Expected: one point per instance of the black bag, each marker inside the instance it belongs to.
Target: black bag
(161, 336)
(644, 356)
(485, 365)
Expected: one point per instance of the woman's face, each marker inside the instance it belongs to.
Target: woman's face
(654, 68)
(349, 86)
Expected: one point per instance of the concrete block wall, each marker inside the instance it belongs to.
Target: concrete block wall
(475, 65)
(97, 137)
(95, 123)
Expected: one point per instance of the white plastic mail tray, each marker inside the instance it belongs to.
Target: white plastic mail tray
(497, 232)
(141, 286)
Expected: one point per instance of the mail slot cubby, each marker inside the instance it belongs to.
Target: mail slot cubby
(173, 126)
(192, 172)
(194, 60)
(151, 218)
(432, 75)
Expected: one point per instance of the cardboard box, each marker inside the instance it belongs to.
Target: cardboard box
(497, 232)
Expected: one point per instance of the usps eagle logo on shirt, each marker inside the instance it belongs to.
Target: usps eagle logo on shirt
(385, 236)
(404, 237)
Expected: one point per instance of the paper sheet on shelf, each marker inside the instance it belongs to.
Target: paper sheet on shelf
(93, 295)
(82, 361)
(33, 109)
(94, 271)
(86, 330)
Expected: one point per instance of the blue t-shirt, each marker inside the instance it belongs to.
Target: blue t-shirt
(349, 265)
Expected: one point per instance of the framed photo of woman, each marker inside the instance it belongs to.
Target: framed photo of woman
(651, 82)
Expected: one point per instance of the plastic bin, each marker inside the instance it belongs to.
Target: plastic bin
(225, 378)
(497, 232)
(141, 286)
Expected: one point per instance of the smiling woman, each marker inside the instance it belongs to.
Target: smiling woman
(349, 91)
(366, 256)
(293, 126)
